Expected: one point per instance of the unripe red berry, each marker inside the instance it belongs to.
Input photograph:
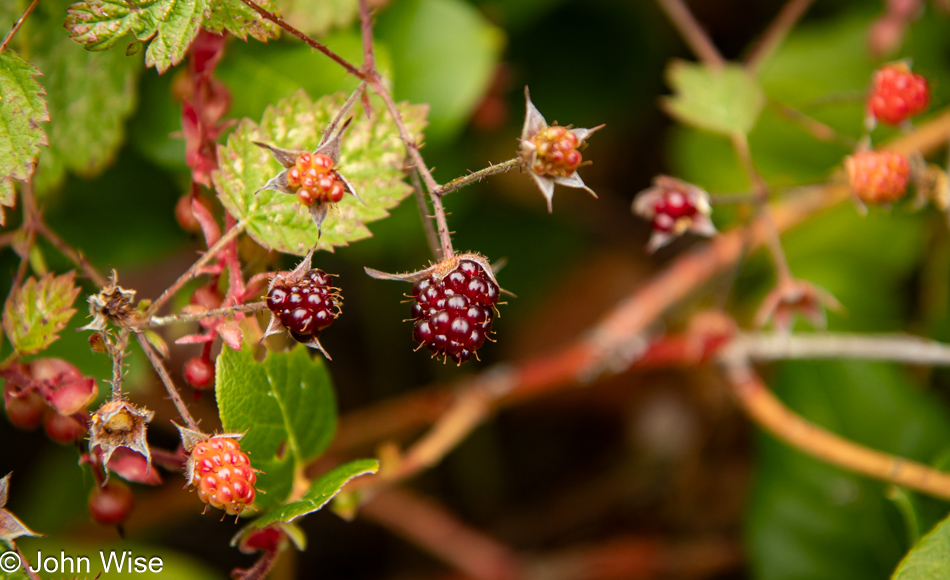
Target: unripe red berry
(65, 429)
(25, 411)
(878, 176)
(199, 372)
(897, 94)
(557, 153)
(111, 504)
(222, 474)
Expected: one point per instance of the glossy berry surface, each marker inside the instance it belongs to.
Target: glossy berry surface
(453, 316)
(878, 176)
(315, 179)
(24, 411)
(897, 94)
(111, 504)
(306, 306)
(673, 206)
(556, 152)
(223, 474)
(199, 372)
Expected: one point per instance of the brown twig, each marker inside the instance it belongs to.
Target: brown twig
(832, 345)
(73, 255)
(157, 321)
(159, 367)
(692, 33)
(761, 405)
(315, 44)
(430, 526)
(190, 273)
(16, 25)
(431, 237)
(117, 351)
(776, 33)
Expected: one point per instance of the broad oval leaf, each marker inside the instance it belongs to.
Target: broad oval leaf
(724, 100)
(321, 491)
(929, 558)
(38, 310)
(22, 107)
(372, 160)
(284, 405)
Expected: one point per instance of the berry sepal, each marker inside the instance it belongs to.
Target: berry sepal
(312, 177)
(551, 154)
(674, 207)
(303, 303)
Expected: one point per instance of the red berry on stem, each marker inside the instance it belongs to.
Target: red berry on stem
(897, 94)
(199, 372)
(111, 504)
(305, 307)
(223, 474)
(454, 314)
(878, 176)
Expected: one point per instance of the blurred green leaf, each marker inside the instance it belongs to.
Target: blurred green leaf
(170, 25)
(240, 20)
(321, 491)
(724, 100)
(286, 407)
(90, 97)
(372, 158)
(317, 17)
(22, 107)
(38, 310)
(807, 519)
(930, 558)
(444, 54)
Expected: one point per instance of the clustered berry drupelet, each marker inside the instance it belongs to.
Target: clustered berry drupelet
(878, 176)
(305, 306)
(223, 475)
(557, 153)
(669, 208)
(453, 315)
(315, 179)
(897, 94)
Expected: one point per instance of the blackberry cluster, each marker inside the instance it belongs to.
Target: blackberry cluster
(673, 206)
(315, 180)
(453, 315)
(223, 474)
(305, 306)
(557, 153)
(897, 94)
(878, 176)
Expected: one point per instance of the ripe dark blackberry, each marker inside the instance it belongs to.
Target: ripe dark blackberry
(453, 314)
(305, 306)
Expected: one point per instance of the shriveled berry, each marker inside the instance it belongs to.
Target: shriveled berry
(65, 429)
(453, 315)
(897, 94)
(111, 504)
(878, 176)
(306, 306)
(199, 372)
(222, 474)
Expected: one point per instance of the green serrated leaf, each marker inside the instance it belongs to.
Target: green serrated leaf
(90, 97)
(22, 107)
(286, 407)
(171, 25)
(317, 17)
(237, 18)
(930, 558)
(38, 310)
(372, 157)
(321, 491)
(723, 100)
